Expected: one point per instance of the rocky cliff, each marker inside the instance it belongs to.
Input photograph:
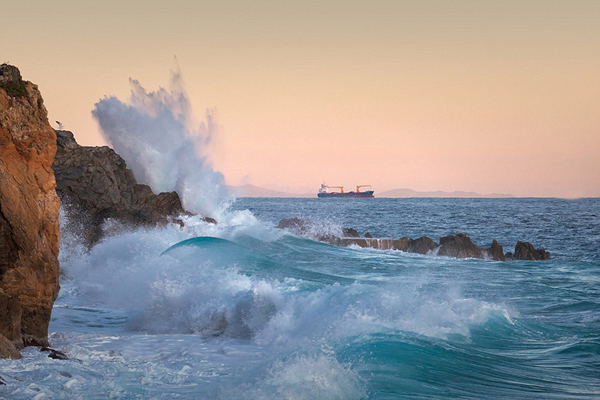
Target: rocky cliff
(95, 186)
(29, 206)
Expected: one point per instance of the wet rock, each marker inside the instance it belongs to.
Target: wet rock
(29, 231)
(526, 251)
(210, 220)
(403, 244)
(459, 246)
(422, 245)
(294, 224)
(350, 232)
(319, 232)
(495, 252)
(95, 186)
(54, 354)
(8, 349)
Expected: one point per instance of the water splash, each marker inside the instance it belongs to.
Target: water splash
(164, 145)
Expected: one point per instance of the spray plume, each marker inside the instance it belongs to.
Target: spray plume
(163, 144)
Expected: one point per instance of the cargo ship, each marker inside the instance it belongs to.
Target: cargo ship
(324, 192)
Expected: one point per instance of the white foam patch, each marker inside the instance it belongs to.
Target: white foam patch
(304, 377)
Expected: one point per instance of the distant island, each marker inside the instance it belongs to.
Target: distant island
(403, 193)
(255, 191)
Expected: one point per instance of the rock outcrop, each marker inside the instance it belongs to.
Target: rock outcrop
(95, 185)
(526, 251)
(457, 246)
(29, 206)
(495, 252)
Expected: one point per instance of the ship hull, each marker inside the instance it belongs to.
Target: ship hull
(348, 195)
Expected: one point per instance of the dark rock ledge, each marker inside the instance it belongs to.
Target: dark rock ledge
(95, 186)
(458, 246)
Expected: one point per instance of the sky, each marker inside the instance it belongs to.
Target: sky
(484, 96)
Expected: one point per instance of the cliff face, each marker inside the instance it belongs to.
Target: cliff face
(29, 230)
(95, 185)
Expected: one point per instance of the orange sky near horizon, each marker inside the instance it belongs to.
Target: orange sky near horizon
(484, 96)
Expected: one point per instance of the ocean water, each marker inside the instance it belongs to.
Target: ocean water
(244, 310)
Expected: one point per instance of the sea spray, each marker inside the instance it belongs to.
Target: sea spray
(255, 289)
(158, 136)
(288, 317)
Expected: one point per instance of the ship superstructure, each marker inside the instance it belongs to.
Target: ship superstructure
(325, 193)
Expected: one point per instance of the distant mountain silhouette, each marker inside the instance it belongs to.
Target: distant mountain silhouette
(255, 191)
(403, 193)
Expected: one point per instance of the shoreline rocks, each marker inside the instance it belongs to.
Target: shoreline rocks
(457, 246)
(29, 207)
(95, 186)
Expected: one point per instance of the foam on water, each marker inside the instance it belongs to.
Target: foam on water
(276, 316)
(210, 289)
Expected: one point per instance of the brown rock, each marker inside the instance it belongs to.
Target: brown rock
(10, 318)
(95, 185)
(294, 224)
(495, 252)
(459, 246)
(526, 251)
(402, 244)
(29, 233)
(8, 349)
(350, 232)
(422, 245)
(309, 229)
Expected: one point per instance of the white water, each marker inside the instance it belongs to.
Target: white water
(156, 133)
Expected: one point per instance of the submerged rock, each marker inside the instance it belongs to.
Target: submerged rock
(29, 206)
(95, 186)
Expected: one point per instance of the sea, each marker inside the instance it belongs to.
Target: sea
(243, 310)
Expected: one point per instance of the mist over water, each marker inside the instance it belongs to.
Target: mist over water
(159, 137)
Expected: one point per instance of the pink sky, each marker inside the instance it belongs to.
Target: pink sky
(433, 95)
